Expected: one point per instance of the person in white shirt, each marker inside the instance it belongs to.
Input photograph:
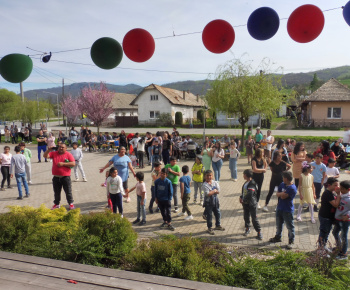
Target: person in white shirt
(346, 136)
(267, 151)
(78, 156)
(141, 151)
(134, 142)
(331, 170)
(115, 190)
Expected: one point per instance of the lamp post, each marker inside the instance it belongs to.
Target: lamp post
(58, 108)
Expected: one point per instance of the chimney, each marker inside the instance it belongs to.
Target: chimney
(184, 94)
(197, 98)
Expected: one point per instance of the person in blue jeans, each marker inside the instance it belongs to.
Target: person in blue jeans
(211, 189)
(18, 165)
(42, 140)
(285, 209)
(342, 220)
(329, 202)
(234, 155)
(217, 154)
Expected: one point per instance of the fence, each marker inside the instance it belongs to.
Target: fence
(327, 123)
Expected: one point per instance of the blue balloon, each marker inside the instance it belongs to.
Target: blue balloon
(346, 13)
(263, 23)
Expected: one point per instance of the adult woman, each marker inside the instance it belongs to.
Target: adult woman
(217, 154)
(281, 148)
(51, 140)
(259, 166)
(73, 135)
(167, 149)
(326, 151)
(277, 166)
(249, 145)
(5, 161)
(298, 156)
(206, 156)
(122, 163)
(122, 139)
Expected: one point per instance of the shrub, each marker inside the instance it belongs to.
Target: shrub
(185, 258)
(165, 119)
(200, 115)
(178, 118)
(96, 239)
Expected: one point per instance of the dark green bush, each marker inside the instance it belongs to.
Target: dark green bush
(185, 258)
(200, 115)
(178, 118)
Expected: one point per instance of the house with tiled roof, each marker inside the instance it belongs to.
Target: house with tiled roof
(122, 104)
(155, 100)
(329, 106)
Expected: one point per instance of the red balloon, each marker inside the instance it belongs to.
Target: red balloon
(305, 23)
(218, 36)
(138, 45)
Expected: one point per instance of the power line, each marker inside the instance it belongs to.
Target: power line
(45, 77)
(56, 74)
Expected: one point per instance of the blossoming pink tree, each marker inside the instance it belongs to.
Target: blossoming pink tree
(70, 108)
(96, 103)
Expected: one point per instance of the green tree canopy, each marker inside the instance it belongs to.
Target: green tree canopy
(241, 91)
(9, 104)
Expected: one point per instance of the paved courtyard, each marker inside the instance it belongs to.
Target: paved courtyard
(90, 196)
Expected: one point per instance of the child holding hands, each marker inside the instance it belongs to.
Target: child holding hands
(141, 199)
(115, 190)
(306, 190)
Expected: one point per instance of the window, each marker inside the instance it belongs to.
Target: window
(154, 114)
(334, 113)
(154, 97)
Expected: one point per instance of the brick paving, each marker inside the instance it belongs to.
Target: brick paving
(90, 196)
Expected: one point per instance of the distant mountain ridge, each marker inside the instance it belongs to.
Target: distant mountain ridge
(195, 87)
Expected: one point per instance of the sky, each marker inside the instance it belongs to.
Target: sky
(56, 25)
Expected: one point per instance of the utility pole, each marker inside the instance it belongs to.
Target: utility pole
(22, 93)
(62, 111)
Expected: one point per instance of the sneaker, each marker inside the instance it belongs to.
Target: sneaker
(128, 200)
(84, 179)
(27, 195)
(19, 198)
(142, 223)
(290, 245)
(210, 231)
(313, 221)
(170, 227)
(275, 240)
(55, 206)
(246, 232)
(30, 182)
(204, 217)
(265, 209)
(259, 207)
(315, 208)
(136, 221)
(71, 206)
(86, 150)
(181, 214)
(9, 186)
(341, 257)
(201, 203)
(39, 161)
(163, 225)
(299, 219)
(76, 180)
(178, 160)
(122, 216)
(157, 210)
(219, 228)
(275, 209)
(190, 217)
(259, 236)
(176, 209)
(150, 210)
(235, 180)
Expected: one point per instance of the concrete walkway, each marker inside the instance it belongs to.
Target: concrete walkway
(90, 196)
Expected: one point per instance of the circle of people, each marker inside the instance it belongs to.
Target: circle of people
(309, 174)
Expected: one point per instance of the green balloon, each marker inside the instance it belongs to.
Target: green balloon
(106, 53)
(16, 68)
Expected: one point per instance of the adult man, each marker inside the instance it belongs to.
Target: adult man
(226, 139)
(42, 139)
(258, 135)
(285, 209)
(329, 203)
(28, 155)
(82, 137)
(62, 162)
(269, 140)
(18, 164)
